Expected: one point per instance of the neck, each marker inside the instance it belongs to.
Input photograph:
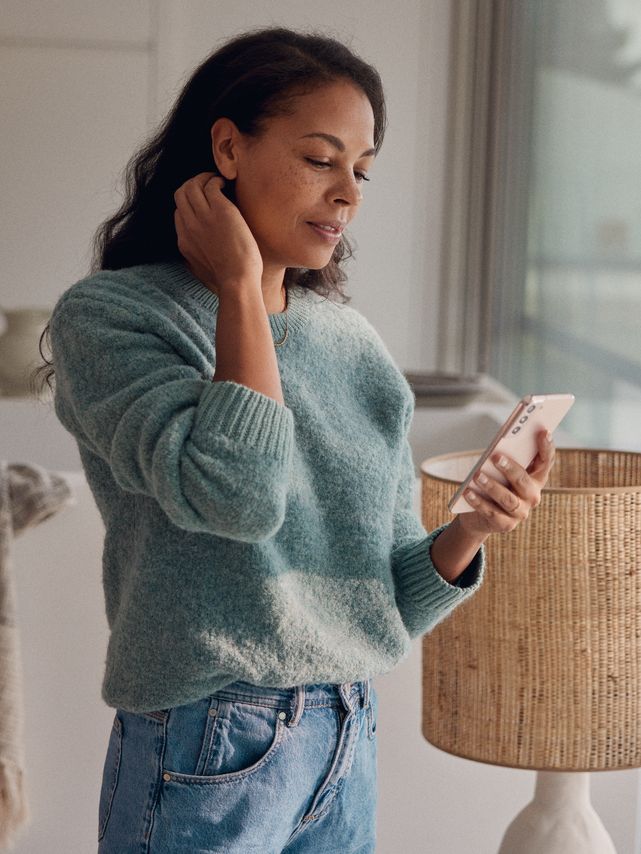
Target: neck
(275, 302)
(274, 291)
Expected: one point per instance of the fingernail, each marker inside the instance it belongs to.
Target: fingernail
(548, 436)
(482, 478)
(472, 495)
(503, 462)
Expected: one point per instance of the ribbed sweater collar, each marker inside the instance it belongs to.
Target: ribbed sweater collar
(299, 301)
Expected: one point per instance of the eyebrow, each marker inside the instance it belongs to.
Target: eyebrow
(338, 143)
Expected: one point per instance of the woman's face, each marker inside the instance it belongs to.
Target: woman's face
(290, 177)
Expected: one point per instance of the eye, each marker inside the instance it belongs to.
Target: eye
(361, 176)
(317, 162)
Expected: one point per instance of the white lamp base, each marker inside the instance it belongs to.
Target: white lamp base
(559, 820)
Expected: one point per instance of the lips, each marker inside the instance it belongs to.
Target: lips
(331, 227)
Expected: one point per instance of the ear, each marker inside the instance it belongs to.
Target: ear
(225, 143)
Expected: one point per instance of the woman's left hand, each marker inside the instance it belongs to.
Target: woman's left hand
(501, 508)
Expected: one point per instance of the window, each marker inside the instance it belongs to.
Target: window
(551, 276)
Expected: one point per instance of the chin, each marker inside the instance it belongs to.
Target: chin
(317, 261)
(318, 266)
(306, 259)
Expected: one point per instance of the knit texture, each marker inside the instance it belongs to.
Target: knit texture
(244, 539)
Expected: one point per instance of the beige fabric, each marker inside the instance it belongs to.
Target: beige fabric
(29, 494)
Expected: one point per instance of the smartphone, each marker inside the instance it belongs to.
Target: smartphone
(516, 439)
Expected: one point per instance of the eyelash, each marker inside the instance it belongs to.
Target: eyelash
(361, 175)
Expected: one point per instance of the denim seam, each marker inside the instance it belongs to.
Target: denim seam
(355, 734)
(325, 786)
(252, 699)
(155, 786)
(157, 715)
(115, 771)
(284, 705)
(335, 789)
(206, 746)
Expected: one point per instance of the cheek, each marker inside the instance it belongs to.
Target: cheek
(280, 197)
(293, 190)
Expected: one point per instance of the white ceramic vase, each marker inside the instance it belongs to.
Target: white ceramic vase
(559, 820)
(19, 353)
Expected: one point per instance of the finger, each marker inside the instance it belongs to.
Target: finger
(192, 191)
(540, 467)
(199, 195)
(205, 198)
(186, 209)
(213, 190)
(195, 204)
(203, 178)
(501, 495)
(518, 478)
(184, 203)
(196, 180)
(214, 185)
(493, 517)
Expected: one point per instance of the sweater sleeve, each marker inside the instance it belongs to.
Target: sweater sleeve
(423, 596)
(216, 456)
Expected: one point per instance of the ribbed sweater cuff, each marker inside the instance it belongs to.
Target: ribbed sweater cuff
(245, 416)
(419, 582)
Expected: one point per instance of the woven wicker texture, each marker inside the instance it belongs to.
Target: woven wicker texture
(541, 668)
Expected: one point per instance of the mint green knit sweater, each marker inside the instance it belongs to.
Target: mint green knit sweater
(244, 539)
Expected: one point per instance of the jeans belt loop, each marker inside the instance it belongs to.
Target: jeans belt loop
(345, 689)
(299, 705)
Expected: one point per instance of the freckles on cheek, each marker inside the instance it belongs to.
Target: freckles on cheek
(296, 187)
(303, 180)
(298, 177)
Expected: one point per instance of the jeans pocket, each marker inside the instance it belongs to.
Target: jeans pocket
(242, 739)
(110, 775)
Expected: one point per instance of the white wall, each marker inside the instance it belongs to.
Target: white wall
(75, 102)
(83, 82)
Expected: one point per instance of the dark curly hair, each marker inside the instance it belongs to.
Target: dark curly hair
(250, 78)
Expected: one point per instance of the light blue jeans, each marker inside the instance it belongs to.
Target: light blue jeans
(247, 770)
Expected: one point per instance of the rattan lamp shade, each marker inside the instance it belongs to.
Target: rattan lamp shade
(541, 668)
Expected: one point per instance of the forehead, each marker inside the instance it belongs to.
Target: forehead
(339, 110)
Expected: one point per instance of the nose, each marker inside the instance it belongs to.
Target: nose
(347, 191)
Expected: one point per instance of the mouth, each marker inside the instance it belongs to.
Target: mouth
(328, 231)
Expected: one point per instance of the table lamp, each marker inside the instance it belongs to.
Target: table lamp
(541, 668)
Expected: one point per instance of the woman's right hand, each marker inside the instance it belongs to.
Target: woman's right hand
(214, 237)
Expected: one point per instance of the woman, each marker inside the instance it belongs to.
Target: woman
(245, 439)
